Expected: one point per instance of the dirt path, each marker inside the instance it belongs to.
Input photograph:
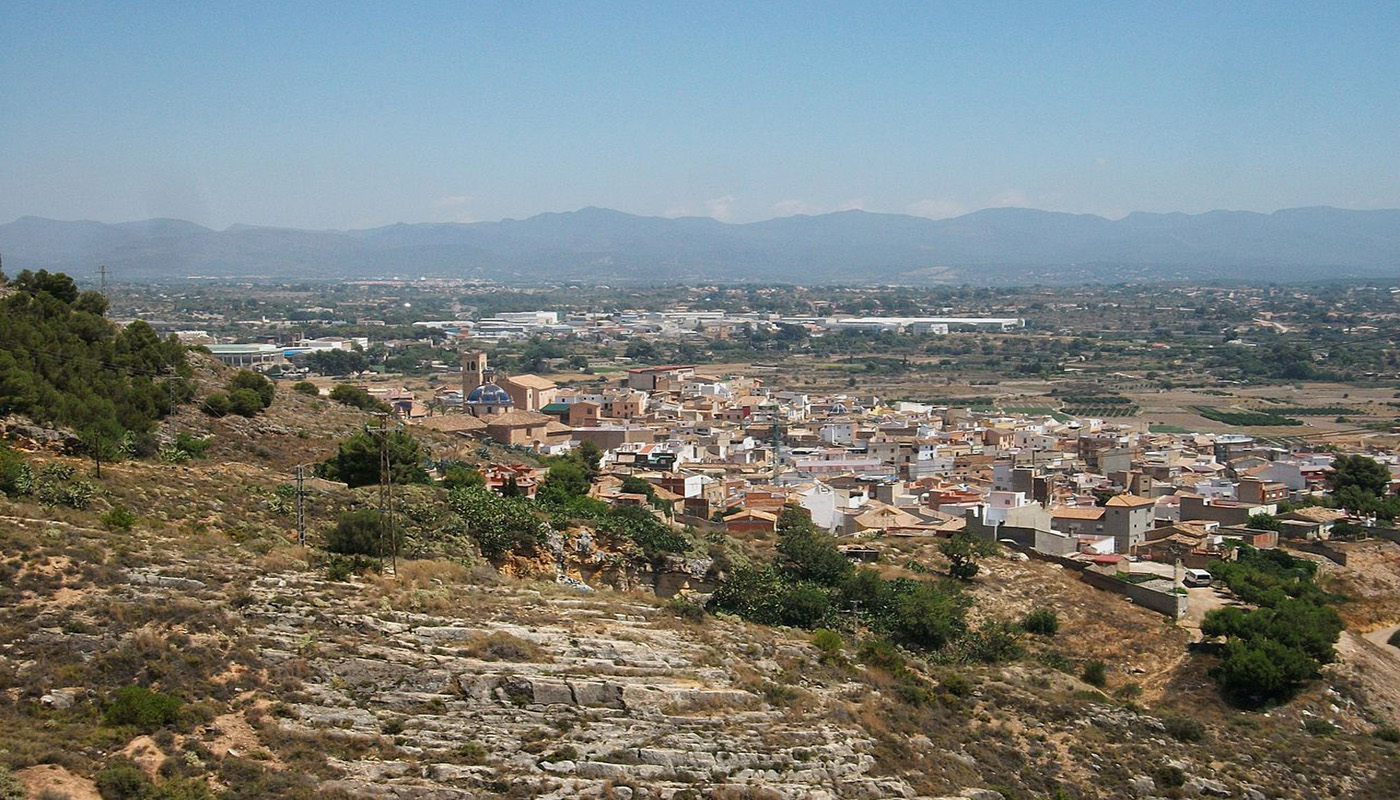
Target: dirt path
(1200, 601)
(1381, 636)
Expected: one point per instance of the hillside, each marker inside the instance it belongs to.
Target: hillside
(1003, 245)
(450, 680)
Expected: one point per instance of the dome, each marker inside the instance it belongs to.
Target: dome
(489, 394)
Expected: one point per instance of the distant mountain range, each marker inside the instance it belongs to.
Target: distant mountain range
(1002, 245)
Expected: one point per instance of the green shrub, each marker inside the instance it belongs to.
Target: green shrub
(500, 525)
(77, 494)
(16, 478)
(339, 568)
(142, 708)
(57, 471)
(1258, 671)
(245, 402)
(686, 609)
(955, 684)
(193, 446)
(357, 397)
(307, 388)
(182, 789)
(118, 519)
(1394, 640)
(1387, 733)
(357, 460)
(91, 373)
(502, 646)
(123, 780)
(247, 380)
(1184, 729)
(357, 533)
(926, 614)
(1319, 727)
(471, 753)
(963, 550)
(994, 643)
(566, 753)
(1095, 673)
(780, 695)
(882, 654)
(829, 642)
(1169, 777)
(459, 476)
(218, 404)
(1057, 660)
(1042, 622)
(10, 786)
(808, 553)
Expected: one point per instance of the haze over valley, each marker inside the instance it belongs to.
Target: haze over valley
(1001, 245)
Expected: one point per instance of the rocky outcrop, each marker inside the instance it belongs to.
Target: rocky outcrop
(618, 696)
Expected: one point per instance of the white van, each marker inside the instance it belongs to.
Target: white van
(1197, 577)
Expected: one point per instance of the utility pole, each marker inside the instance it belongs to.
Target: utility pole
(393, 527)
(301, 506)
(387, 533)
(777, 446)
(102, 279)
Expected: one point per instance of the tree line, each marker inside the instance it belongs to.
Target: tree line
(63, 363)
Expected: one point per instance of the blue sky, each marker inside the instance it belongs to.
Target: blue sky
(344, 114)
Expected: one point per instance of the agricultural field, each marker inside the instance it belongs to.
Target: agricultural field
(1245, 419)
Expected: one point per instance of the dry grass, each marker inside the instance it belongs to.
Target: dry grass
(502, 646)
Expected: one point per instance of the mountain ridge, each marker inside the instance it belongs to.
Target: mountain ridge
(993, 245)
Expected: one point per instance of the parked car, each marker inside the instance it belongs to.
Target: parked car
(1197, 577)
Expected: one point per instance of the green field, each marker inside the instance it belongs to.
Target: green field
(1244, 419)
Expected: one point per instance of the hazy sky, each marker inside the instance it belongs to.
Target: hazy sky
(341, 114)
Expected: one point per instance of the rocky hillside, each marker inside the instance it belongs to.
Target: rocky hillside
(449, 680)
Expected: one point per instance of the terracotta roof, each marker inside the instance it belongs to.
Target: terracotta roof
(451, 423)
(887, 517)
(1314, 514)
(1129, 501)
(519, 418)
(531, 381)
(752, 513)
(1178, 532)
(1076, 512)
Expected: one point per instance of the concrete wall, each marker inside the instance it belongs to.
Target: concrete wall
(1333, 553)
(1389, 534)
(1168, 603)
(1172, 605)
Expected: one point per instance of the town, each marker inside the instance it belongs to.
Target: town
(695, 401)
(1068, 471)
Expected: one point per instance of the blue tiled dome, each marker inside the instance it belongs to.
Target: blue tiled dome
(489, 394)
